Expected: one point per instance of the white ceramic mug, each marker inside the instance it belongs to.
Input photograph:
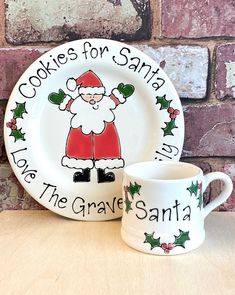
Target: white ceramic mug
(163, 209)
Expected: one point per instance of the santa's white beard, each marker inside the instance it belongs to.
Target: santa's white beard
(90, 119)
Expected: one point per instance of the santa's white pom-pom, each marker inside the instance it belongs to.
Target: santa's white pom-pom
(71, 84)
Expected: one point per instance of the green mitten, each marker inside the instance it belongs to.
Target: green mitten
(126, 90)
(56, 98)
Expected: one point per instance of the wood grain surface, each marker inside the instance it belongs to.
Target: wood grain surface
(43, 253)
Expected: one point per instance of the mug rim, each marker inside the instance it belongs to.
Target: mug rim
(161, 163)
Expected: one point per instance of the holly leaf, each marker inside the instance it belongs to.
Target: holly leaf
(181, 238)
(134, 189)
(19, 110)
(152, 241)
(17, 134)
(169, 126)
(200, 200)
(128, 205)
(193, 189)
(163, 102)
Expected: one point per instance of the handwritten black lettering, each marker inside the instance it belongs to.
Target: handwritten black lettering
(50, 194)
(167, 152)
(93, 52)
(157, 214)
(22, 163)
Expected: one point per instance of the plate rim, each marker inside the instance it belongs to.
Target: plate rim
(12, 98)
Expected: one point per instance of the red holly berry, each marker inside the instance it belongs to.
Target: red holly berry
(13, 121)
(164, 246)
(176, 112)
(125, 188)
(167, 247)
(170, 246)
(8, 124)
(172, 116)
(13, 127)
(170, 110)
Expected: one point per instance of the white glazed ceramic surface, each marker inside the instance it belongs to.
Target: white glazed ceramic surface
(79, 114)
(163, 206)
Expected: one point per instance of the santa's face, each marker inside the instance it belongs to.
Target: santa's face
(92, 98)
(92, 117)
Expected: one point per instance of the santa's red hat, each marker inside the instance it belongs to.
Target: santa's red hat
(88, 83)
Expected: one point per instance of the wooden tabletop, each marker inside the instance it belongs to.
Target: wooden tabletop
(43, 253)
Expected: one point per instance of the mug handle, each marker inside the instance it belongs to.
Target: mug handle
(222, 197)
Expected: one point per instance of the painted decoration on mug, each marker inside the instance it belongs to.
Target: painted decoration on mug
(163, 211)
(132, 189)
(175, 212)
(196, 190)
(167, 247)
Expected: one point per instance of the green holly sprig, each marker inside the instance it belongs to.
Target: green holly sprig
(196, 190)
(132, 189)
(18, 113)
(173, 113)
(179, 241)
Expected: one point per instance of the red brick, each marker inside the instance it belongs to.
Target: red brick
(3, 156)
(27, 21)
(198, 18)
(12, 194)
(13, 63)
(186, 66)
(209, 130)
(1, 131)
(225, 71)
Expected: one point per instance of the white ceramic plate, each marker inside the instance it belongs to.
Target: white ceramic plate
(80, 113)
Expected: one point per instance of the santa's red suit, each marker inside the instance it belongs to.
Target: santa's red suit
(93, 140)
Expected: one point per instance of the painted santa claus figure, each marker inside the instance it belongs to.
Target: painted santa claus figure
(93, 140)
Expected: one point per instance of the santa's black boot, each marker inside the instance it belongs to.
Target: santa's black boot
(83, 176)
(105, 177)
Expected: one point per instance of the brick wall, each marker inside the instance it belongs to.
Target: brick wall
(194, 41)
